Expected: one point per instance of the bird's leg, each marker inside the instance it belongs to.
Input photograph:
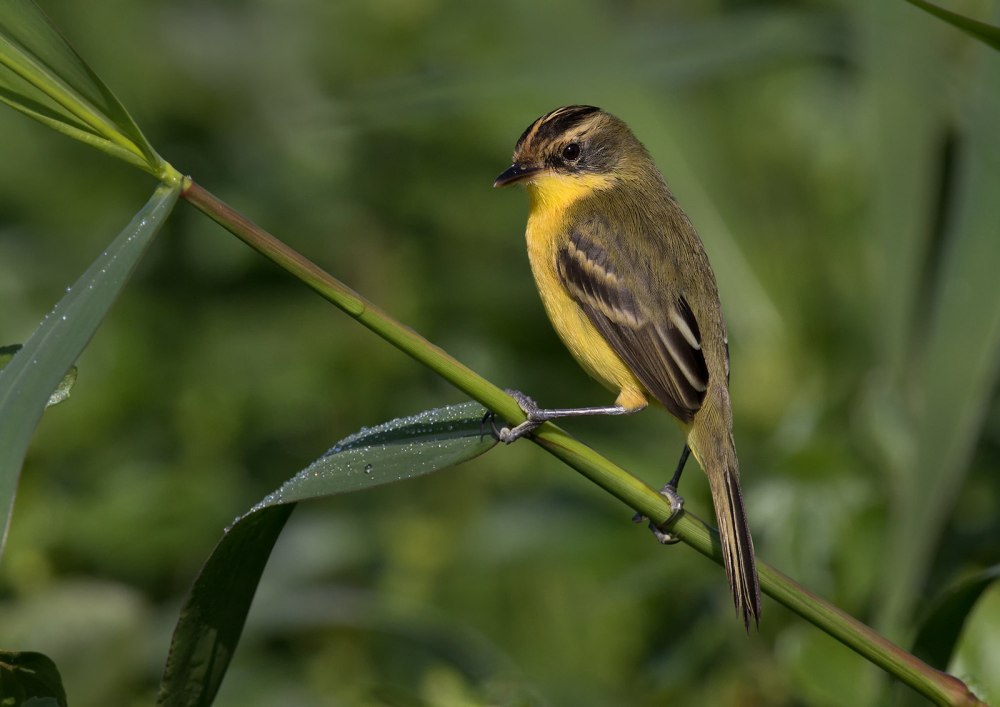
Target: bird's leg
(676, 503)
(536, 415)
(676, 478)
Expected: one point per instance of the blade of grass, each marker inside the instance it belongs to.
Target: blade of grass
(61, 392)
(896, 79)
(43, 77)
(213, 616)
(985, 33)
(19, 101)
(27, 382)
(937, 686)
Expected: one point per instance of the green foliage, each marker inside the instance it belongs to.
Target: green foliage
(42, 77)
(847, 152)
(940, 629)
(30, 679)
(940, 383)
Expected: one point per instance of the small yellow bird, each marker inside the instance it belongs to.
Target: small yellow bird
(628, 287)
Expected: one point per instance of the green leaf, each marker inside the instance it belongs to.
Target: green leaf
(393, 451)
(61, 392)
(28, 381)
(29, 678)
(213, 616)
(943, 624)
(987, 34)
(211, 621)
(44, 78)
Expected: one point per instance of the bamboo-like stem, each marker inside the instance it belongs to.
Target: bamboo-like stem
(940, 687)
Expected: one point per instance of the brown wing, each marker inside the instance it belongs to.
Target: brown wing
(661, 347)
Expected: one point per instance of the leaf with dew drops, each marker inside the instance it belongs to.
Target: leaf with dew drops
(62, 390)
(394, 451)
(28, 380)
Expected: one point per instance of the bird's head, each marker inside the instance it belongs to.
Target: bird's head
(573, 149)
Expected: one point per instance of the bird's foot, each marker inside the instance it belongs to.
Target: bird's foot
(531, 411)
(661, 532)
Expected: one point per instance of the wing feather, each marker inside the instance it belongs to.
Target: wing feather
(661, 345)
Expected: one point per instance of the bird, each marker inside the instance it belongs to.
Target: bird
(628, 287)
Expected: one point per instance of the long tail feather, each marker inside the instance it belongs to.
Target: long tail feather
(737, 545)
(711, 441)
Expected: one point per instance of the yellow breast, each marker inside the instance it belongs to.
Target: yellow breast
(548, 230)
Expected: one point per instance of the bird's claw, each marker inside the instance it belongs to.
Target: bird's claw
(528, 406)
(661, 532)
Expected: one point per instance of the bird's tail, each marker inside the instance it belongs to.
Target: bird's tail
(712, 444)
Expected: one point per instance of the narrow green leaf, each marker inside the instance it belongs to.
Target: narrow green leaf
(61, 392)
(67, 126)
(29, 678)
(211, 621)
(943, 624)
(988, 34)
(213, 616)
(28, 381)
(43, 77)
(394, 451)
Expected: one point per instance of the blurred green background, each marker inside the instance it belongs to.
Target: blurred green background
(837, 159)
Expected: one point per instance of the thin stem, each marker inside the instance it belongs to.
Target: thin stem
(937, 686)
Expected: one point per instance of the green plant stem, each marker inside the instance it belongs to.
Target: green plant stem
(941, 688)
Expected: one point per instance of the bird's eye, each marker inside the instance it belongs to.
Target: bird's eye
(571, 151)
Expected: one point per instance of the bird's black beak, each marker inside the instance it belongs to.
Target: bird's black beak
(515, 173)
